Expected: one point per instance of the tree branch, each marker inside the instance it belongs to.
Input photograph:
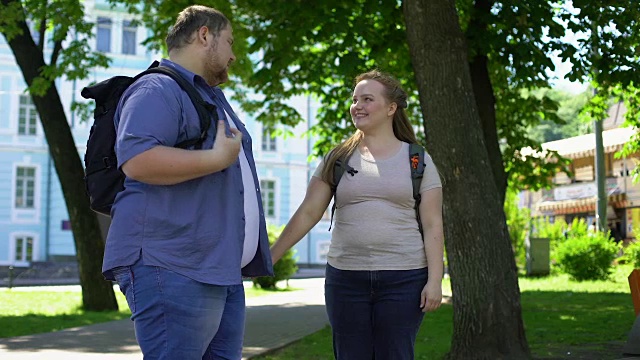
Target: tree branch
(57, 47)
(41, 31)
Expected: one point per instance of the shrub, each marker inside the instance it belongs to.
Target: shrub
(632, 254)
(518, 224)
(588, 257)
(283, 269)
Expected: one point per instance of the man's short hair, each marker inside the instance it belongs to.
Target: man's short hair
(190, 20)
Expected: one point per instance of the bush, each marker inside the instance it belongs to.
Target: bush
(588, 257)
(518, 224)
(632, 254)
(283, 269)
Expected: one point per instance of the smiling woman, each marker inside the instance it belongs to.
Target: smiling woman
(381, 231)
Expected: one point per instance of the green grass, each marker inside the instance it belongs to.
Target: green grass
(558, 315)
(26, 311)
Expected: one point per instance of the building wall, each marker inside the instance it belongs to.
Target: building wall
(47, 225)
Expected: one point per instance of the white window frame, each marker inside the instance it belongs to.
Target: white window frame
(27, 116)
(104, 23)
(269, 141)
(26, 215)
(13, 247)
(265, 200)
(25, 180)
(131, 30)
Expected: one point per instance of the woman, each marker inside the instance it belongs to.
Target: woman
(377, 285)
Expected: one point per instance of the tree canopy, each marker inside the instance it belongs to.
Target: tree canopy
(294, 47)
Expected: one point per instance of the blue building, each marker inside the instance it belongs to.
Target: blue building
(34, 223)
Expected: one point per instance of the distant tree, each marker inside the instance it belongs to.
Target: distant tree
(572, 120)
(62, 34)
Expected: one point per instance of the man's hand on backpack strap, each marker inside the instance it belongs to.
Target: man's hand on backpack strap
(166, 165)
(226, 148)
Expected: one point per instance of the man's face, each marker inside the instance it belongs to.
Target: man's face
(219, 57)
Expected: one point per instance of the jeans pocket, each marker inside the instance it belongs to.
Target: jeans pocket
(124, 278)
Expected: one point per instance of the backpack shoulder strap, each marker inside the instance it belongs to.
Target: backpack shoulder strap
(416, 160)
(205, 110)
(339, 168)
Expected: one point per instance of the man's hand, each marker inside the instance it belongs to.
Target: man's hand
(227, 148)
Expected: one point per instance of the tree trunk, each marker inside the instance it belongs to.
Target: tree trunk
(486, 297)
(483, 92)
(97, 294)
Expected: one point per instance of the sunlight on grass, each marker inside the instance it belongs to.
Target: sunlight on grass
(25, 311)
(31, 310)
(557, 312)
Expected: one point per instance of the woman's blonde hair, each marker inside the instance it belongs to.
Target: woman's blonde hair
(401, 125)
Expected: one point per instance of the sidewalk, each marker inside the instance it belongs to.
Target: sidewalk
(273, 321)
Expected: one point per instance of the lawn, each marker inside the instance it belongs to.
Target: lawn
(31, 310)
(560, 316)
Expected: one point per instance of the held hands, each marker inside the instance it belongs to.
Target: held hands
(431, 296)
(227, 148)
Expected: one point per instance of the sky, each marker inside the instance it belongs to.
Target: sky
(562, 68)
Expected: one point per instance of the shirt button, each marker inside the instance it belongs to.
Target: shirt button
(241, 191)
(238, 165)
(243, 219)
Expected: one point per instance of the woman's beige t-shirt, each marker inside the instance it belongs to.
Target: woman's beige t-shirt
(375, 223)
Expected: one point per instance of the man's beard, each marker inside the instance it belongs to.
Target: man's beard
(214, 74)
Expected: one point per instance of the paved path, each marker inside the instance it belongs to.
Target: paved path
(272, 321)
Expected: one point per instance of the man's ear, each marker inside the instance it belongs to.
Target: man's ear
(392, 109)
(202, 35)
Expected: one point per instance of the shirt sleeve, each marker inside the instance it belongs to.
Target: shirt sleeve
(150, 115)
(431, 178)
(318, 172)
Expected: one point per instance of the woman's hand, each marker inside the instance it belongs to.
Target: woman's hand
(431, 296)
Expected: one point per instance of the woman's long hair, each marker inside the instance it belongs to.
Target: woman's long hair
(401, 125)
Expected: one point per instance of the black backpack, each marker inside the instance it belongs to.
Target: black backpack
(103, 179)
(416, 161)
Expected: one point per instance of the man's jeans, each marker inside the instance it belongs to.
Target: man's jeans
(176, 317)
(374, 314)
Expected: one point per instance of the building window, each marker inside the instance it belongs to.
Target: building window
(23, 249)
(268, 140)
(322, 248)
(103, 38)
(27, 116)
(25, 187)
(268, 190)
(128, 38)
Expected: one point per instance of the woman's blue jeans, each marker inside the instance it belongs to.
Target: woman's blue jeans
(374, 314)
(176, 317)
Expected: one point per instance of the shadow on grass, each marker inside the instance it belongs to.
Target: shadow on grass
(577, 325)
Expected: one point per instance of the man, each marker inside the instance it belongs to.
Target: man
(189, 224)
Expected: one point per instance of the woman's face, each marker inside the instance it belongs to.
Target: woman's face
(370, 109)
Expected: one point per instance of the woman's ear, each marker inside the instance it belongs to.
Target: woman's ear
(392, 109)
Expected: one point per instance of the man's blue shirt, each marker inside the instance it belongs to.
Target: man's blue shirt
(195, 228)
